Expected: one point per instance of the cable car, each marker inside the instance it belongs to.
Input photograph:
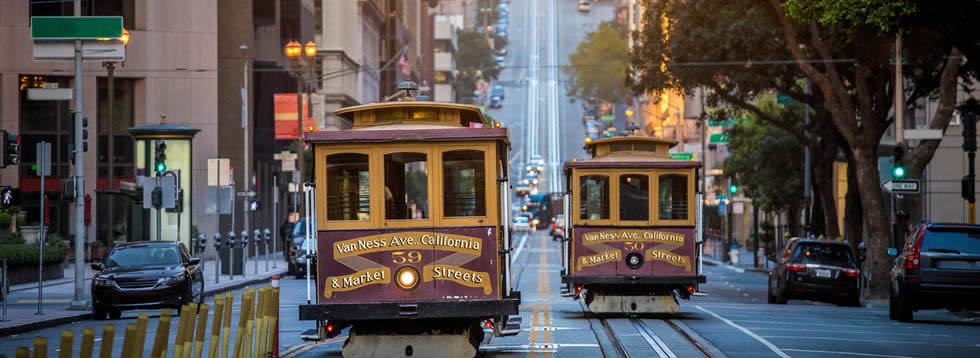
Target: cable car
(633, 244)
(412, 229)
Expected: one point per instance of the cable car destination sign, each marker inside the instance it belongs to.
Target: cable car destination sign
(660, 243)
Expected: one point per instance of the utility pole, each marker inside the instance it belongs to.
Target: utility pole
(300, 150)
(704, 145)
(78, 300)
(755, 231)
(245, 147)
(898, 222)
(731, 217)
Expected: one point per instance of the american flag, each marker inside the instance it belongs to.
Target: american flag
(403, 62)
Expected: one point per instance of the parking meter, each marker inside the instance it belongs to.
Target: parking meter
(231, 254)
(202, 243)
(257, 237)
(217, 241)
(217, 257)
(244, 240)
(268, 236)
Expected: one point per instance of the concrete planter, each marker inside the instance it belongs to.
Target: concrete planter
(30, 233)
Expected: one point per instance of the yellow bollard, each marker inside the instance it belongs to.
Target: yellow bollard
(129, 340)
(108, 335)
(259, 311)
(67, 342)
(275, 321)
(88, 343)
(40, 347)
(142, 321)
(243, 315)
(202, 325)
(248, 338)
(162, 336)
(219, 308)
(189, 331)
(179, 337)
(226, 331)
(23, 352)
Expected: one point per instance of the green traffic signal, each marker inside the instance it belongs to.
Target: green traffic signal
(608, 134)
(161, 167)
(898, 172)
(733, 188)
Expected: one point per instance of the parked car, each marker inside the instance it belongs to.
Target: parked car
(298, 260)
(295, 240)
(497, 90)
(500, 62)
(495, 102)
(500, 51)
(558, 227)
(146, 274)
(584, 6)
(521, 224)
(817, 270)
(939, 267)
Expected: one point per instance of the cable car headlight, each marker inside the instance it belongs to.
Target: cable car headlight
(407, 278)
(634, 260)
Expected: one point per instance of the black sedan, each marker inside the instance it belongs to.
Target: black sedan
(816, 270)
(149, 274)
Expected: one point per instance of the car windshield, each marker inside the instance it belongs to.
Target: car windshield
(520, 219)
(824, 254)
(143, 255)
(962, 240)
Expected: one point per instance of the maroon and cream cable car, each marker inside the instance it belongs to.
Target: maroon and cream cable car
(411, 230)
(633, 243)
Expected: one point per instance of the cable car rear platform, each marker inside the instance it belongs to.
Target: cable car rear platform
(642, 280)
(411, 309)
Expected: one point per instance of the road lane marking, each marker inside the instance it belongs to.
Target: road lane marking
(866, 340)
(844, 353)
(520, 247)
(850, 332)
(765, 342)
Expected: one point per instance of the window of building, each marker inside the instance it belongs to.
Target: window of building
(348, 195)
(594, 201)
(122, 119)
(464, 183)
(634, 197)
(673, 197)
(406, 186)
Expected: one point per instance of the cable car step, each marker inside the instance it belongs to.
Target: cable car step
(512, 328)
(565, 292)
(310, 335)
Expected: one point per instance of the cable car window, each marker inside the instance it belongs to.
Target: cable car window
(348, 194)
(673, 197)
(645, 147)
(406, 186)
(464, 183)
(634, 197)
(620, 147)
(594, 203)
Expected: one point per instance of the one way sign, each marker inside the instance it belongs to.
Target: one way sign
(902, 186)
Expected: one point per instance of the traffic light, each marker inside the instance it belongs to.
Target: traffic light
(733, 188)
(609, 134)
(898, 170)
(161, 164)
(10, 145)
(71, 137)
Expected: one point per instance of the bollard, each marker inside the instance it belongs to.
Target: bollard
(275, 316)
(163, 335)
(88, 343)
(259, 312)
(202, 325)
(231, 255)
(217, 257)
(23, 352)
(267, 321)
(142, 321)
(179, 337)
(248, 337)
(244, 242)
(40, 347)
(243, 314)
(108, 334)
(229, 302)
(189, 330)
(67, 341)
(129, 340)
(219, 308)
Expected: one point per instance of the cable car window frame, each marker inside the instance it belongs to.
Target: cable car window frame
(490, 182)
(577, 195)
(650, 174)
(427, 150)
(321, 154)
(687, 173)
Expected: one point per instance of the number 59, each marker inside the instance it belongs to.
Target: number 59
(400, 257)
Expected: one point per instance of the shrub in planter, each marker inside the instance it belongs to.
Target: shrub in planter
(27, 254)
(16, 239)
(5, 220)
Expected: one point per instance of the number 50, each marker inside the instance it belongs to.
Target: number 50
(633, 245)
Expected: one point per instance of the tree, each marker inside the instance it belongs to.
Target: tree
(598, 66)
(733, 50)
(474, 60)
(768, 162)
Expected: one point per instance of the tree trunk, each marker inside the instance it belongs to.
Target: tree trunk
(874, 218)
(793, 221)
(853, 225)
(823, 185)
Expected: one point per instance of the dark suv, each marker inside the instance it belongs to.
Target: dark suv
(939, 267)
(816, 270)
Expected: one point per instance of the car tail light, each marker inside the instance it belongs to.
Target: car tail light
(912, 258)
(851, 272)
(488, 324)
(578, 288)
(553, 226)
(330, 328)
(690, 288)
(795, 267)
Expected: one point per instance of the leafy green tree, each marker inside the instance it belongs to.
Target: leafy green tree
(598, 66)
(474, 60)
(768, 162)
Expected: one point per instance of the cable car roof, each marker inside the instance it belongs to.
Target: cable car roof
(624, 152)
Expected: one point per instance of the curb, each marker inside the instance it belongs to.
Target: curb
(85, 315)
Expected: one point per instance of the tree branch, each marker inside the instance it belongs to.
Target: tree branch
(923, 153)
(795, 131)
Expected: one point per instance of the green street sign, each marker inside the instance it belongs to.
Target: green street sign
(608, 117)
(719, 138)
(725, 122)
(785, 99)
(76, 27)
(683, 156)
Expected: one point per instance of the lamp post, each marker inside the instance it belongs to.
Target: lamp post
(298, 66)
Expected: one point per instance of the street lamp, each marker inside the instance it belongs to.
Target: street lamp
(298, 66)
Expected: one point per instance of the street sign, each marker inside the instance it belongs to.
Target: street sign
(169, 188)
(923, 134)
(76, 27)
(785, 99)
(43, 166)
(289, 164)
(49, 94)
(284, 155)
(718, 138)
(247, 194)
(218, 169)
(92, 50)
(725, 122)
(608, 117)
(909, 186)
(683, 156)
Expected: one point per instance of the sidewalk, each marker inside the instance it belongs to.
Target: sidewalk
(713, 256)
(58, 294)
